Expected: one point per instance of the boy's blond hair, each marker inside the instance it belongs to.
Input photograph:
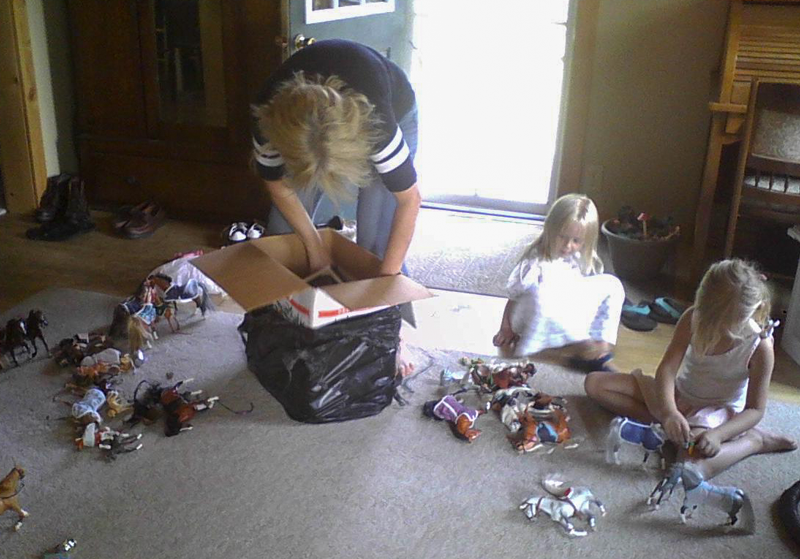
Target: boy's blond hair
(324, 131)
(570, 208)
(731, 293)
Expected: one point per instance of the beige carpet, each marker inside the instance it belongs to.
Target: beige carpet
(394, 485)
(467, 252)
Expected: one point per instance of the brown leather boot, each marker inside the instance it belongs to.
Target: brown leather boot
(54, 199)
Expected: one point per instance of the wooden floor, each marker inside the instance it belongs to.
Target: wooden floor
(103, 262)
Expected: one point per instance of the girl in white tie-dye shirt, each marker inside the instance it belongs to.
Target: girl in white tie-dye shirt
(557, 293)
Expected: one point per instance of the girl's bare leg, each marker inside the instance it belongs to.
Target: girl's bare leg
(754, 441)
(618, 393)
(590, 350)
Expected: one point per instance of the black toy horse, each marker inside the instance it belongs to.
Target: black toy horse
(34, 324)
(15, 336)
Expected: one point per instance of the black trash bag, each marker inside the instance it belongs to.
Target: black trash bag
(345, 370)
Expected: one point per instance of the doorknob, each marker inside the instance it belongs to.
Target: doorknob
(300, 41)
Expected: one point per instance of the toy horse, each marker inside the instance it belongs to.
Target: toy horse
(697, 491)
(16, 335)
(536, 432)
(34, 324)
(9, 491)
(172, 294)
(625, 430)
(461, 418)
(559, 511)
(581, 498)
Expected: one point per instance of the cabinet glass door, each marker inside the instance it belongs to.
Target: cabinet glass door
(189, 62)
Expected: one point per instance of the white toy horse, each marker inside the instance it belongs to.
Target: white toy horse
(697, 491)
(559, 511)
(625, 430)
(563, 503)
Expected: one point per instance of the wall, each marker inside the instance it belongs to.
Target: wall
(654, 71)
(47, 21)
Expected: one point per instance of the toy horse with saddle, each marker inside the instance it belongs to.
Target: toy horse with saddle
(535, 432)
(461, 418)
(10, 488)
(625, 430)
(171, 294)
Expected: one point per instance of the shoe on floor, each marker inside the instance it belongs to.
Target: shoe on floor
(54, 199)
(255, 231)
(236, 232)
(144, 221)
(637, 317)
(666, 310)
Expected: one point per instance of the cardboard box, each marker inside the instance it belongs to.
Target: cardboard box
(270, 271)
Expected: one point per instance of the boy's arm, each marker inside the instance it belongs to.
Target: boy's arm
(296, 215)
(761, 365)
(674, 423)
(403, 224)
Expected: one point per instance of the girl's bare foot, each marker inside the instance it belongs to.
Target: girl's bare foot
(772, 442)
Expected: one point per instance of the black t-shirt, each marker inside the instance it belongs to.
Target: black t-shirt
(366, 71)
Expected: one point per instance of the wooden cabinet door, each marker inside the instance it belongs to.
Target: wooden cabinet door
(108, 72)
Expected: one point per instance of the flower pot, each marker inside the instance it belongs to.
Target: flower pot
(635, 259)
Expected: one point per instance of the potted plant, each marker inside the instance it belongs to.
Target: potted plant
(639, 244)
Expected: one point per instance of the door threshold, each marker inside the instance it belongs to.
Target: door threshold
(483, 211)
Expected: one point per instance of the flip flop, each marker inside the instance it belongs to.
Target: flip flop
(638, 317)
(590, 365)
(666, 310)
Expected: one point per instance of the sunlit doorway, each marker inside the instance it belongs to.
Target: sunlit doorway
(489, 81)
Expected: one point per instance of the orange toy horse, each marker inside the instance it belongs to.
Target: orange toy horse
(536, 432)
(9, 490)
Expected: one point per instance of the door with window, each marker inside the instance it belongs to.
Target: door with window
(489, 82)
(384, 25)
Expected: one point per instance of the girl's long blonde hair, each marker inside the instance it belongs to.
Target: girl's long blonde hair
(731, 293)
(324, 131)
(570, 208)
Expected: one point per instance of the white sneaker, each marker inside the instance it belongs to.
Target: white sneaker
(255, 231)
(237, 232)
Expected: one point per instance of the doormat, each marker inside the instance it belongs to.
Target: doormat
(467, 252)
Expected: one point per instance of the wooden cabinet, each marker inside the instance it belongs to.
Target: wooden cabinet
(163, 89)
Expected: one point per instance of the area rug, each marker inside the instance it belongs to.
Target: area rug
(467, 252)
(394, 485)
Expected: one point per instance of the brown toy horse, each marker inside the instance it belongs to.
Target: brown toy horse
(9, 490)
(536, 432)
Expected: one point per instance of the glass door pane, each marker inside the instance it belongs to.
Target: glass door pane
(189, 56)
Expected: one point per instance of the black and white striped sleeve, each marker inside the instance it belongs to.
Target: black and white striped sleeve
(269, 162)
(393, 162)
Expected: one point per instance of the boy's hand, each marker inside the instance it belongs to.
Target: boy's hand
(708, 442)
(677, 428)
(505, 337)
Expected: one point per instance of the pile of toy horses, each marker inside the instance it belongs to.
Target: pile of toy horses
(18, 333)
(535, 420)
(136, 317)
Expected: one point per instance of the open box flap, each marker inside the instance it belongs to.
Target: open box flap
(388, 290)
(249, 275)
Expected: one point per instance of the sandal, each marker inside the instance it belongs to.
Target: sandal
(590, 365)
(638, 317)
(666, 310)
